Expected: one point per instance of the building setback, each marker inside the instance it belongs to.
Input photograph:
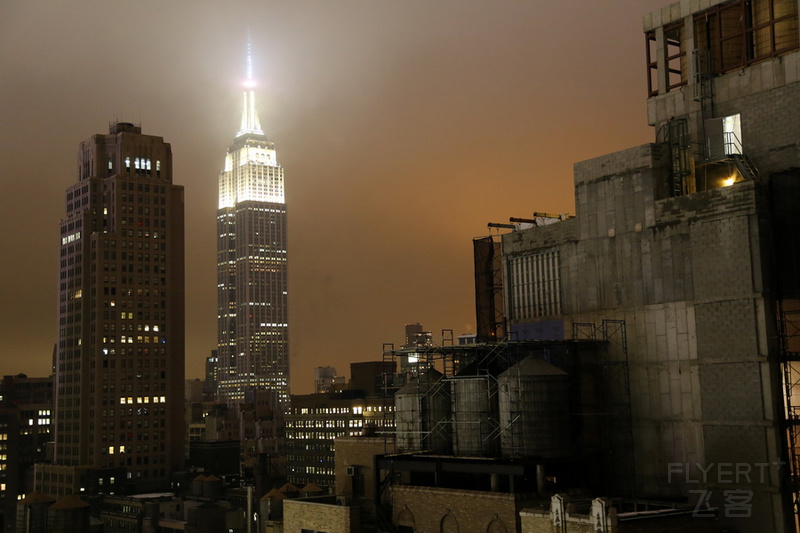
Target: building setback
(120, 354)
(253, 318)
(691, 244)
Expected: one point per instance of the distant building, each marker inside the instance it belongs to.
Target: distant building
(253, 316)
(467, 338)
(212, 371)
(193, 390)
(120, 354)
(417, 336)
(372, 376)
(417, 340)
(26, 415)
(327, 380)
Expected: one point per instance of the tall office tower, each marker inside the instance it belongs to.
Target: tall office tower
(253, 347)
(120, 354)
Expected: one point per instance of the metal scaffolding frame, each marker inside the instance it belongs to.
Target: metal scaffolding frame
(487, 361)
(789, 339)
(616, 398)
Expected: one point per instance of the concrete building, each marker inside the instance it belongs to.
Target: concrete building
(253, 317)
(120, 354)
(688, 246)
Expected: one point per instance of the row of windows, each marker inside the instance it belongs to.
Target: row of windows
(131, 244)
(743, 32)
(78, 190)
(130, 256)
(147, 301)
(143, 222)
(729, 36)
(140, 269)
(136, 351)
(141, 187)
(141, 165)
(320, 435)
(143, 199)
(341, 410)
(140, 339)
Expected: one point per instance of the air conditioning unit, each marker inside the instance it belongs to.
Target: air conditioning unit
(350, 470)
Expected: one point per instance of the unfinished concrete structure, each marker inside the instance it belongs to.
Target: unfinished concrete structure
(691, 243)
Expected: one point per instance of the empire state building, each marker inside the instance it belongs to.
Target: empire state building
(253, 328)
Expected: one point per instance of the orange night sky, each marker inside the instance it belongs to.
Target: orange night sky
(403, 128)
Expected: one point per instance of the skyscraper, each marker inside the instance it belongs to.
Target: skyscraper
(253, 327)
(120, 354)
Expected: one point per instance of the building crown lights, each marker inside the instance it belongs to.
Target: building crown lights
(250, 122)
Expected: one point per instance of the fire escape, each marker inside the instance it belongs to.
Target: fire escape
(722, 150)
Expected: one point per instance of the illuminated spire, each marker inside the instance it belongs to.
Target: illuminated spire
(250, 122)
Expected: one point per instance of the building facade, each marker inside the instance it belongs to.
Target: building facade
(26, 407)
(253, 328)
(690, 244)
(316, 420)
(327, 380)
(120, 354)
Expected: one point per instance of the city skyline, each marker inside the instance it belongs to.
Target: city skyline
(406, 128)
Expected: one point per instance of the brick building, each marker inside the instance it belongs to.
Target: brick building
(323, 513)
(119, 361)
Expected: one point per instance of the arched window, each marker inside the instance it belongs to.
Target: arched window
(449, 524)
(496, 526)
(405, 521)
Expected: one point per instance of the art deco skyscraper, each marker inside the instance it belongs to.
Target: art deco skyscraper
(120, 356)
(253, 346)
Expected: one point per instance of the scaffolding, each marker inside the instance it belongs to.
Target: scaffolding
(789, 338)
(616, 399)
(471, 372)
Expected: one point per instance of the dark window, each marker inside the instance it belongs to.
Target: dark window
(744, 32)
